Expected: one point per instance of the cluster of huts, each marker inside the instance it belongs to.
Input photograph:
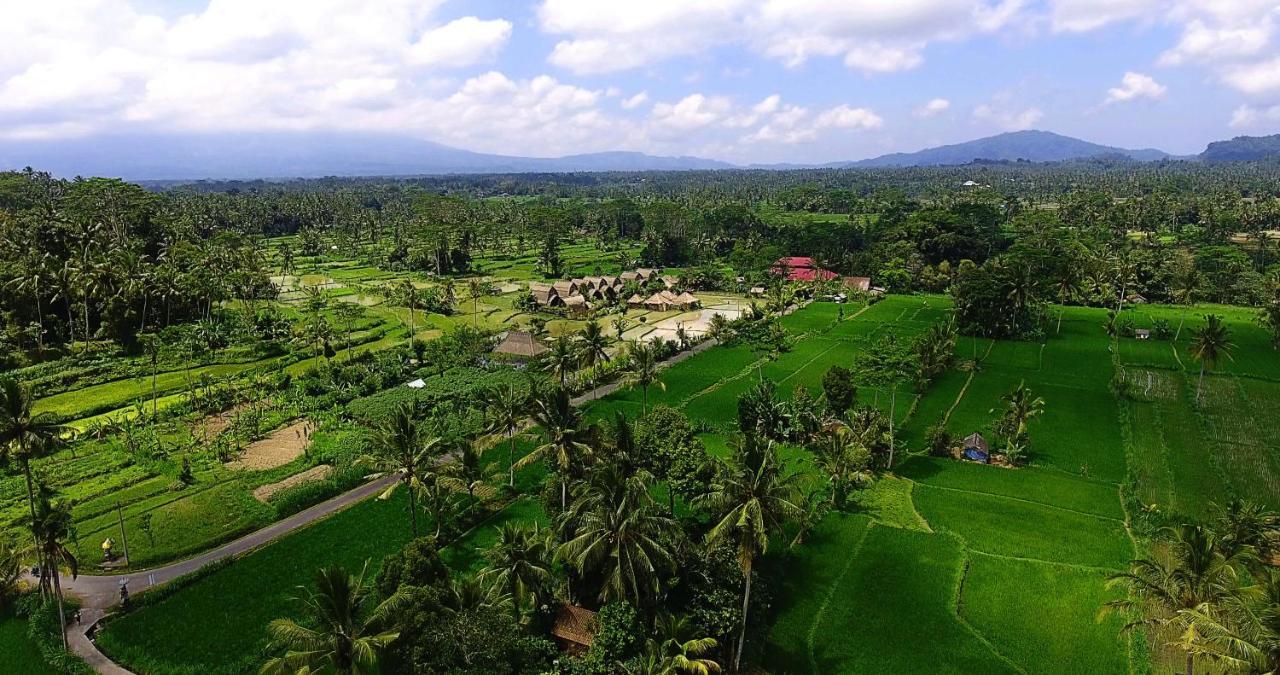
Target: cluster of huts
(579, 295)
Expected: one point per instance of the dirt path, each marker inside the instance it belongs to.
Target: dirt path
(280, 448)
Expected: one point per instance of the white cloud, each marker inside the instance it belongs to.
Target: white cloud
(635, 101)
(1134, 86)
(1249, 117)
(1006, 116)
(934, 107)
(691, 112)
(1260, 78)
(232, 64)
(845, 117)
(868, 35)
(1087, 15)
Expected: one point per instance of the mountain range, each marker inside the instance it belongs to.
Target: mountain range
(185, 157)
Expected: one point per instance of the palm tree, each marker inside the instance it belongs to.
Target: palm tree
(1245, 634)
(476, 289)
(1021, 406)
(24, 436)
(340, 635)
(566, 439)
(1210, 344)
(561, 360)
(593, 342)
(400, 447)
(617, 534)
(519, 563)
(844, 459)
(52, 528)
(644, 369)
(507, 409)
(677, 651)
(620, 326)
(468, 471)
(751, 499)
(1161, 594)
(410, 294)
(437, 497)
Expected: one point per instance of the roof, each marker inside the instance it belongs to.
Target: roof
(574, 301)
(635, 298)
(565, 287)
(687, 298)
(417, 384)
(757, 289)
(858, 283)
(575, 624)
(645, 272)
(807, 274)
(976, 441)
(629, 276)
(660, 298)
(520, 343)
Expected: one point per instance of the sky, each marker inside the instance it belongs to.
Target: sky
(744, 81)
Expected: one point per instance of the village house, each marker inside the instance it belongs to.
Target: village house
(801, 268)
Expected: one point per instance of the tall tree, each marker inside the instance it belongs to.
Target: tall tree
(644, 369)
(566, 439)
(519, 564)
(341, 633)
(400, 447)
(751, 498)
(507, 408)
(1211, 343)
(25, 437)
(53, 529)
(561, 360)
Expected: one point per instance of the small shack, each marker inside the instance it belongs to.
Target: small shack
(1142, 334)
(520, 345)
(1135, 299)
(576, 304)
(756, 290)
(635, 302)
(687, 300)
(860, 284)
(575, 629)
(976, 449)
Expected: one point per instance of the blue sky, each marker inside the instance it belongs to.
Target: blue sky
(740, 80)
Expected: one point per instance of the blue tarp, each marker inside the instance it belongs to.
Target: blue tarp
(976, 455)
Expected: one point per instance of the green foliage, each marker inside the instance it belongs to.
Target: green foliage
(838, 387)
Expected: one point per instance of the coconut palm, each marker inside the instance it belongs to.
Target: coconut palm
(1163, 593)
(401, 447)
(1247, 528)
(1244, 634)
(618, 535)
(565, 437)
(1021, 406)
(437, 496)
(619, 326)
(519, 563)
(644, 369)
(25, 437)
(52, 529)
(468, 470)
(678, 651)
(341, 634)
(507, 409)
(11, 556)
(751, 500)
(844, 459)
(592, 342)
(476, 289)
(1210, 344)
(561, 360)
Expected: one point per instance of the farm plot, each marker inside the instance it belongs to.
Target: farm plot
(1040, 615)
(890, 607)
(1019, 528)
(1047, 486)
(1238, 417)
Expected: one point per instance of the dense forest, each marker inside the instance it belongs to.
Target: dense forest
(99, 260)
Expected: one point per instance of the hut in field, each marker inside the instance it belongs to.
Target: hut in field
(566, 288)
(756, 291)
(545, 294)
(575, 629)
(687, 300)
(976, 449)
(645, 275)
(661, 301)
(670, 282)
(576, 304)
(635, 302)
(627, 277)
(520, 345)
(860, 284)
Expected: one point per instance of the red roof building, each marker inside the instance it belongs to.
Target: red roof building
(802, 268)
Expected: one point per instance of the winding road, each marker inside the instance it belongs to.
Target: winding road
(98, 594)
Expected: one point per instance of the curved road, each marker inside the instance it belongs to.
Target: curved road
(98, 594)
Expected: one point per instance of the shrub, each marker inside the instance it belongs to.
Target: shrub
(939, 440)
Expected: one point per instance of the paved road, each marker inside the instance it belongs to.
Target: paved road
(98, 594)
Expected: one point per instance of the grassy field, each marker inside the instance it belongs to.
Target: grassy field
(20, 654)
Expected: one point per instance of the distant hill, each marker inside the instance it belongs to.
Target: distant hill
(1032, 146)
(1243, 149)
(298, 155)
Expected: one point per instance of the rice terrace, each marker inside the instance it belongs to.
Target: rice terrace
(287, 388)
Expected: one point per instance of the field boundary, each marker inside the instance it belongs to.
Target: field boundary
(1017, 499)
(826, 602)
(962, 574)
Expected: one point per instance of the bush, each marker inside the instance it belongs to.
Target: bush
(292, 500)
(939, 440)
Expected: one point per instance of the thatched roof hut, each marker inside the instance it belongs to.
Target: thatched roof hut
(520, 344)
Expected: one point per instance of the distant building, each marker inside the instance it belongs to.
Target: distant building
(520, 345)
(575, 629)
(1142, 334)
(860, 284)
(802, 268)
(976, 448)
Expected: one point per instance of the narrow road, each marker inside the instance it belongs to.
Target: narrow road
(99, 594)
